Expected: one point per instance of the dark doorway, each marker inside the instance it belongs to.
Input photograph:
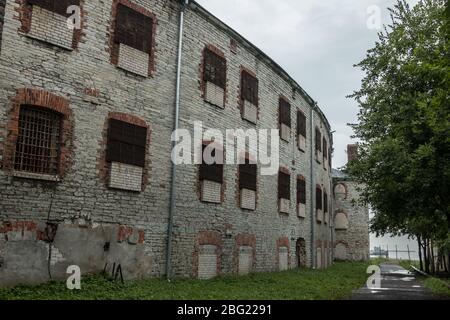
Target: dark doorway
(301, 253)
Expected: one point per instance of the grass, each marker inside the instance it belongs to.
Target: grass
(336, 282)
(437, 286)
(407, 264)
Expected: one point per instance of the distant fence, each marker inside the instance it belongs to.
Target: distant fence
(394, 252)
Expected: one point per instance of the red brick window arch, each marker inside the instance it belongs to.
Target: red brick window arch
(39, 139)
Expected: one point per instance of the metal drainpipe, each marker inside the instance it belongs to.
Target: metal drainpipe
(311, 120)
(176, 124)
(331, 222)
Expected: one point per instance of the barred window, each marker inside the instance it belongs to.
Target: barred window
(318, 198)
(2, 19)
(249, 88)
(38, 142)
(325, 202)
(56, 6)
(284, 186)
(211, 172)
(215, 70)
(133, 29)
(318, 140)
(301, 191)
(126, 143)
(247, 176)
(325, 149)
(301, 123)
(285, 112)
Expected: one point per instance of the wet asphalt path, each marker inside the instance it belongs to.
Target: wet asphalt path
(397, 283)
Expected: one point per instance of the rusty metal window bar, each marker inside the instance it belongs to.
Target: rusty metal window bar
(318, 140)
(301, 191)
(126, 143)
(318, 198)
(249, 88)
(133, 29)
(56, 6)
(285, 112)
(301, 123)
(211, 172)
(284, 186)
(247, 175)
(215, 69)
(2, 19)
(38, 142)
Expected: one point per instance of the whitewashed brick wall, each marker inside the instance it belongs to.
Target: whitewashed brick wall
(215, 94)
(283, 258)
(340, 221)
(207, 262)
(285, 132)
(245, 260)
(301, 210)
(249, 112)
(248, 199)
(340, 252)
(125, 177)
(285, 205)
(301, 142)
(319, 258)
(319, 156)
(50, 27)
(211, 191)
(133, 60)
(319, 215)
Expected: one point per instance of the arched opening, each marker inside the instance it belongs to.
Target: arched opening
(340, 251)
(340, 221)
(340, 191)
(300, 251)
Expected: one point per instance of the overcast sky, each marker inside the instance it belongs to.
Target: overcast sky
(317, 43)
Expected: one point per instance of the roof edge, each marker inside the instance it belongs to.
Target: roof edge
(263, 56)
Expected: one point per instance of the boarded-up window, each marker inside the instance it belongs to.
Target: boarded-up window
(126, 143)
(284, 186)
(325, 202)
(318, 198)
(301, 123)
(285, 112)
(329, 157)
(249, 88)
(247, 176)
(325, 149)
(211, 172)
(57, 6)
(301, 191)
(38, 141)
(2, 19)
(133, 29)
(318, 140)
(215, 69)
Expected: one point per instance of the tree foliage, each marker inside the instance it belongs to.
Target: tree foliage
(404, 123)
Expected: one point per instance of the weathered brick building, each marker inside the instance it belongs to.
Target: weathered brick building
(351, 218)
(86, 118)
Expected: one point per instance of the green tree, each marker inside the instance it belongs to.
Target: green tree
(404, 126)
